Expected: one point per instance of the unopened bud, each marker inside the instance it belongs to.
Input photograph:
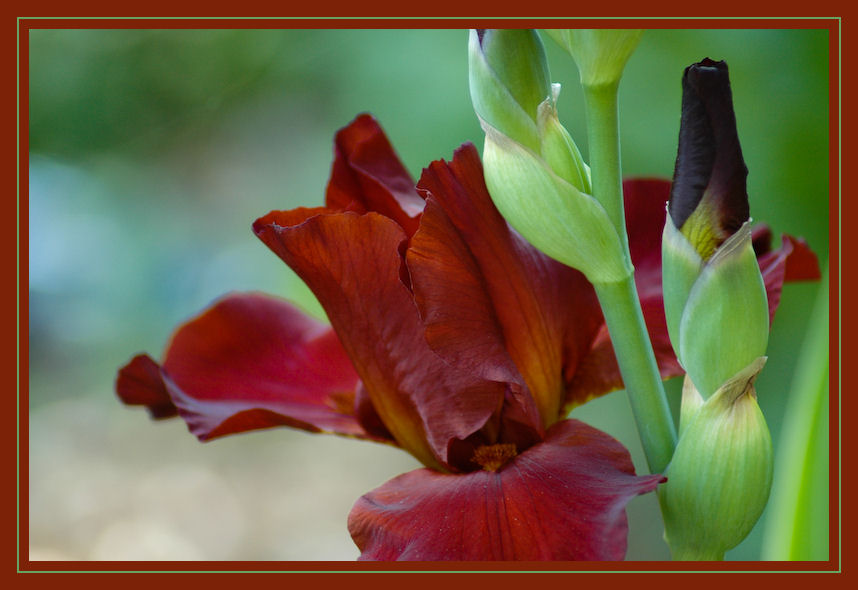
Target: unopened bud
(709, 197)
(719, 479)
(601, 54)
(508, 79)
(714, 296)
(533, 169)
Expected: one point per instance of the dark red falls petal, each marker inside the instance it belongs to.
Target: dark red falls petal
(250, 361)
(563, 499)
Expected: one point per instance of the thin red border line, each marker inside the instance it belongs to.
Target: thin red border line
(834, 168)
(837, 185)
(835, 124)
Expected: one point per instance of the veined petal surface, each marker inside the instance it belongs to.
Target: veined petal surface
(489, 299)
(563, 499)
(352, 263)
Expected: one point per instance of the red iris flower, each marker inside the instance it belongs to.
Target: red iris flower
(450, 337)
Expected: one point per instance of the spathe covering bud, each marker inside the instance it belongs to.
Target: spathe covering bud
(714, 296)
(601, 54)
(717, 312)
(719, 479)
(533, 169)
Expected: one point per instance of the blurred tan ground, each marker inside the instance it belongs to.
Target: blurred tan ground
(108, 484)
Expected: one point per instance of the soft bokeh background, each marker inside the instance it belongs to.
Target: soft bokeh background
(152, 151)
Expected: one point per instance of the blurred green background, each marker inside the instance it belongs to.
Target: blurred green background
(152, 152)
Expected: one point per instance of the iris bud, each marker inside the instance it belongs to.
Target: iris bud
(601, 54)
(509, 80)
(714, 295)
(719, 479)
(709, 197)
(533, 169)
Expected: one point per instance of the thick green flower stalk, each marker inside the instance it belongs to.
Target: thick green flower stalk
(718, 321)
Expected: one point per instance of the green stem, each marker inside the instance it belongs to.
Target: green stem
(603, 135)
(619, 301)
(622, 310)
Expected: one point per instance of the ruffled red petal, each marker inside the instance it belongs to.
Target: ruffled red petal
(367, 175)
(490, 301)
(353, 264)
(563, 499)
(250, 361)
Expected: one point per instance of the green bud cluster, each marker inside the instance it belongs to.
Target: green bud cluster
(716, 307)
(533, 169)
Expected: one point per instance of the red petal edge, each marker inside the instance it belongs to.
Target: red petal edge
(793, 261)
(250, 361)
(139, 383)
(563, 499)
(367, 175)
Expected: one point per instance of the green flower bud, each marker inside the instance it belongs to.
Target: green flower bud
(601, 54)
(533, 169)
(508, 81)
(719, 479)
(714, 296)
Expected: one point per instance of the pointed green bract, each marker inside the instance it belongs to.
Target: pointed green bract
(681, 266)
(725, 322)
(502, 96)
(559, 149)
(552, 214)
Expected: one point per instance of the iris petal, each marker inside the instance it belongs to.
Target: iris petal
(250, 361)
(352, 264)
(563, 499)
(367, 175)
(489, 299)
